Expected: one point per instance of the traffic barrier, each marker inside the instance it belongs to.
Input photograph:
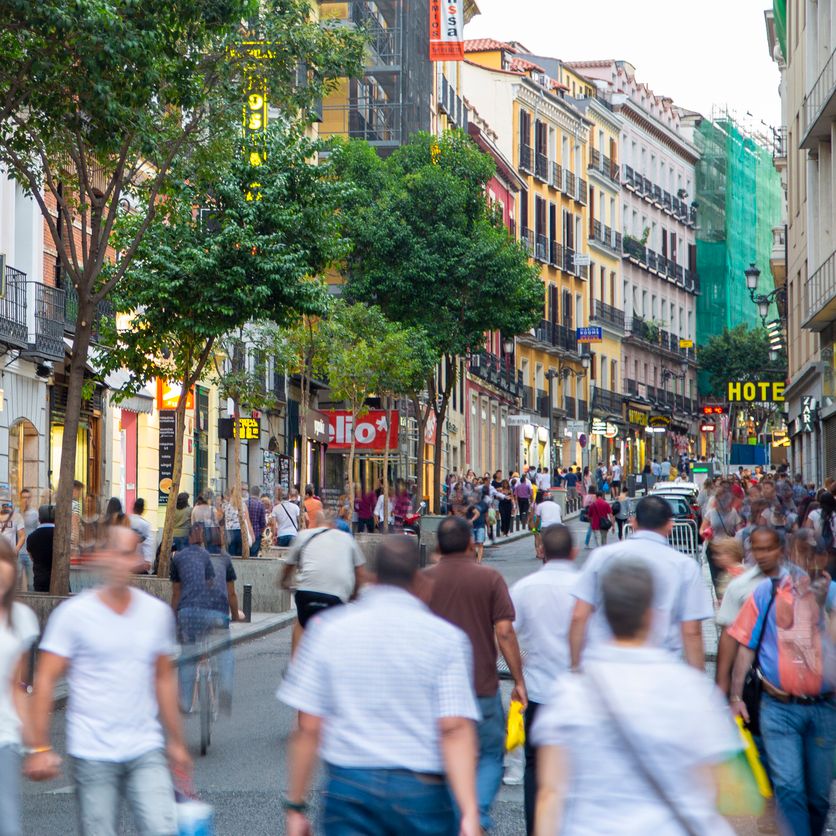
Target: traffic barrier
(684, 537)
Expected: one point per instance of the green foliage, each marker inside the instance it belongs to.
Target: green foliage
(739, 354)
(426, 247)
(201, 275)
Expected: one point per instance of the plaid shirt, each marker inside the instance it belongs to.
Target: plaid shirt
(258, 519)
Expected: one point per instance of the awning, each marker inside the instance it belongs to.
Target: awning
(141, 401)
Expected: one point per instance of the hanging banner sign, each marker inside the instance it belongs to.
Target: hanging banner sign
(590, 334)
(446, 30)
(168, 425)
(370, 432)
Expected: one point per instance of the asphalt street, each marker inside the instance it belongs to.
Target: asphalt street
(243, 774)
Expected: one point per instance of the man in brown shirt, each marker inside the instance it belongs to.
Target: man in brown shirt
(475, 598)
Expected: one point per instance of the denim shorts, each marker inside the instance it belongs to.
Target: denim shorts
(479, 535)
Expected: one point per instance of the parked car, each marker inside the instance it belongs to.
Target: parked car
(685, 490)
(682, 509)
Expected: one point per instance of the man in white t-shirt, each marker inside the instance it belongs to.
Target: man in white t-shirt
(681, 601)
(147, 540)
(285, 519)
(544, 480)
(546, 512)
(114, 644)
(616, 477)
(12, 528)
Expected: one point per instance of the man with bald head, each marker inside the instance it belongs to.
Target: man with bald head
(114, 643)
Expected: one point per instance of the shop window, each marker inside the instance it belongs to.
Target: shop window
(23, 459)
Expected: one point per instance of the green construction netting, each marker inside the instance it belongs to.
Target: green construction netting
(779, 12)
(739, 196)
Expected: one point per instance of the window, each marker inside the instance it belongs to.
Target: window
(614, 374)
(604, 370)
(525, 128)
(524, 208)
(653, 307)
(567, 308)
(538, 376)
(613, 280)
(579, 317)
(603, 295)
(664, 313)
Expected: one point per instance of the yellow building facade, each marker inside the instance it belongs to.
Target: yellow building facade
(547, 138)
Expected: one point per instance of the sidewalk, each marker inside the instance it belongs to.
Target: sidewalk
(262, 624)
(524, 532)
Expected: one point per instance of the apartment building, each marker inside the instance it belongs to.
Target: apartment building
(659, 279)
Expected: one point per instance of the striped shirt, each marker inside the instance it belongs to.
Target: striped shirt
(381, 673)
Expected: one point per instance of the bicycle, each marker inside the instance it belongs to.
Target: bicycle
(206, 688)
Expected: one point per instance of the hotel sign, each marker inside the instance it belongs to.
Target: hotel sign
(766, 391)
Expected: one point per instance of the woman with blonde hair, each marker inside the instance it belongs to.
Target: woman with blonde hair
(232, 521)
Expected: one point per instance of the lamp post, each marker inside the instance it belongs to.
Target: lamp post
(762, 300)
(565, 371)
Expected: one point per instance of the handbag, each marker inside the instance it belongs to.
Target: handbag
(584, 515)
(752, 690)
(605, 524)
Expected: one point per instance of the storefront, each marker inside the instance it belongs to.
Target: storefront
(636, 452)
(23, 420)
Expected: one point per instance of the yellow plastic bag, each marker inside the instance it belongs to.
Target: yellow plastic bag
(742, 782)
(515, 730)
(754, 760)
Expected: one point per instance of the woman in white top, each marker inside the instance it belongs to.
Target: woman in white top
(18, 631)
(633, 743)
(232, 522)
(285, 519)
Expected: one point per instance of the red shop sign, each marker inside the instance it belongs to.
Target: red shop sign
(369, 430)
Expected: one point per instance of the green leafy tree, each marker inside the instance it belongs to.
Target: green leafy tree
(740, 354)
(429, 250)
(99, 98)
(210, 261)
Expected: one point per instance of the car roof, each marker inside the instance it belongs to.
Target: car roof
(674, 487)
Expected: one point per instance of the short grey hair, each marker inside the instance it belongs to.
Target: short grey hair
(627, 592)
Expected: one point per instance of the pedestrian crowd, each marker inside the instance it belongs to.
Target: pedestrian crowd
(394, 670)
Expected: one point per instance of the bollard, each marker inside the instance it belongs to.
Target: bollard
(248, 602)
(422, 550)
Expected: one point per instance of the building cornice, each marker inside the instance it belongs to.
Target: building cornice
(560, 112)
(635, 114)
(604, 114)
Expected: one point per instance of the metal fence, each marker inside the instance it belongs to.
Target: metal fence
(684, 537)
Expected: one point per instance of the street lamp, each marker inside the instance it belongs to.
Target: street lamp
(669, 374)
(508, 345)
(762, 300)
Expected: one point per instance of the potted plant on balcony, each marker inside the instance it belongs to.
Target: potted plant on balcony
(652, 330)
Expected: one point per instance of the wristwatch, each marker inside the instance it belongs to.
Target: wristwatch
(295, 806)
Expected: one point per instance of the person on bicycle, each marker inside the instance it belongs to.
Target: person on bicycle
(204, 599)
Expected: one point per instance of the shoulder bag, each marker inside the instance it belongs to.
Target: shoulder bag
(281, 505)
(752, 690)
(628, 744)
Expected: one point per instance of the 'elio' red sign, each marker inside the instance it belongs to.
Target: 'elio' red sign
(370, 431)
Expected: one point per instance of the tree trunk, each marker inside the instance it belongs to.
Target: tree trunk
(176, 476)
(60, 578)
(351, 452)
(386, 459)
(303, 423)
(441, 414)
(243, 513)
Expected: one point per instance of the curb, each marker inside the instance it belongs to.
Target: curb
(248, 633)
(524, 532)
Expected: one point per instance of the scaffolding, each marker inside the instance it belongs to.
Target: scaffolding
(738, 191)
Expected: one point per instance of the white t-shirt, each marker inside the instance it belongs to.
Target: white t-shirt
(112, 712)
(676, 719)
(378, 510)
(14, 642)
(10, 529)
(544, 481)
(148, 546)
(286, 515)
(616, 473)
(549, 513)
(679, 593)
(328, 560)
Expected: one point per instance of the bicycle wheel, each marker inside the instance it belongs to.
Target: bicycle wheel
(205, 699)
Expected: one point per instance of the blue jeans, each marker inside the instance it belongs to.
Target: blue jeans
(800, 741)
(196, 625)
(146, 785)
(386, 802)
(285, 540)
(491, 733)
(10, 791)
(233, 541)
(180, 543)
(24, 566)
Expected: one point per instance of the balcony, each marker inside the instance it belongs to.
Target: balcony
(820, 106)
(608, 315)
(569, 182)
(556, 254)
(492, 369)
(453, 105)
(778, 256)
(606, 236)
(13, 330)
(541, 167)
(603, 165)
(570, 405)
(526, 159)
(820, 296)
(583, 411)
(527, 240)
(606, 401)
(104, 311)
(541, 248)
(649, 333)
(568, 265)
(383, 42)
(668, 203)
(47, 338)
(543, 404)
(659, 265)
(553, 335)
(631, 387)
(581, 194)
(376, 121)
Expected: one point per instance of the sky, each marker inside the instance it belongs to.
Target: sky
(704, 53)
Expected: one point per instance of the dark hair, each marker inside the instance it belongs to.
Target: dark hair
(557, 542)
(653, 513)
(77, 484)
(827, 502)
(46, 514)
(114, 507)
(769, 531)
(397, 560)
(139, 505)
(454, 535)
(182, 501)
(599, 494)
(627, 592)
